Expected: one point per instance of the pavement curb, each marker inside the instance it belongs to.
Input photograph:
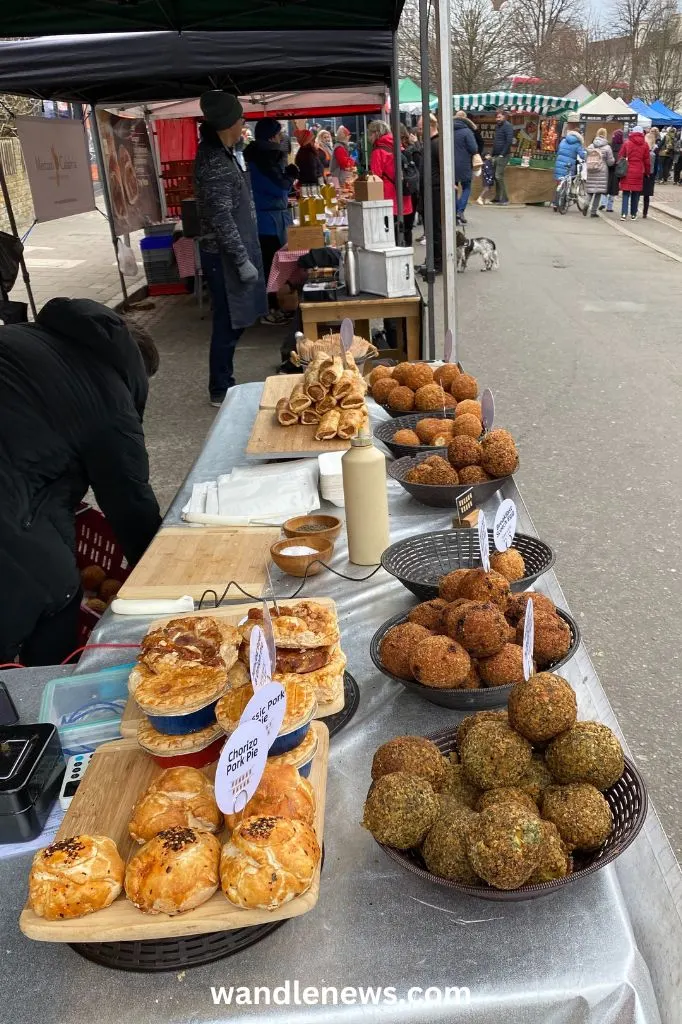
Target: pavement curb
(670, 211)
(644, 241)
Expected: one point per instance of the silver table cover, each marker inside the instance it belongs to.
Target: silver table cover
(605, 950)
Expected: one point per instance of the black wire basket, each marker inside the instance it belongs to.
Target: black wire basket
(351, 694)
(628, 801)
(441, 495)
(420, 561)
(463, 700)
(385, 431)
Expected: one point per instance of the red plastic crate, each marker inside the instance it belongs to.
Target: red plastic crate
(177, 288)
(96, 545)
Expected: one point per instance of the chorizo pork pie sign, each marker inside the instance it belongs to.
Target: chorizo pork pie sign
(130, 173)
(58, 166)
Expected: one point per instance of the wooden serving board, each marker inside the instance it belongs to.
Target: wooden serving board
(270, 440)
(117, 776)
(185, 560)
(233, 614)
(278, 387)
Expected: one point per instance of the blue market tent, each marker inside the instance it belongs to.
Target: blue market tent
(655, 116)
(673, 118)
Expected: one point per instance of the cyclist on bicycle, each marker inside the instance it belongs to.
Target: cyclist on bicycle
(570, 148)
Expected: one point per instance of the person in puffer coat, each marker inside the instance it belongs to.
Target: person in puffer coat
(638, 155)
(598, 160)
(570, 148)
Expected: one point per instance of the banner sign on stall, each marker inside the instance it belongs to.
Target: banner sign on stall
(58, 166)
(488, 409)
(130, 172)
(241, 766)
(260, 665)
(267, 707)
(528, 640)
(505, 525)
(483, 542)
(447, 346)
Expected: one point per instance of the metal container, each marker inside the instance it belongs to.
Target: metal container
(350, 268)
(31, 770)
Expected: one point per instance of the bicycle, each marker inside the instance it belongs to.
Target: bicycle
(571, 189)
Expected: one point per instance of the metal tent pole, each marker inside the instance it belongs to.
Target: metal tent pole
(156, 159)
(395, 129)
(97, 143)
(13, 228)
(428, 174)
(447, 173)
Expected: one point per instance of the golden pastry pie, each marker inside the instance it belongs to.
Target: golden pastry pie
(281, 793)
(74, 877)
(192, 640)
(177, 691)
(178, 797)
(300, 755)
(268, 862)
(161, 743)
(175, 871)
(292, 659)
(301, 706)
(304, 624)
(326, 681)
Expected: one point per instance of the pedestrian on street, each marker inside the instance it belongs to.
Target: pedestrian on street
(487, 180)
(230, 252)
(308, 162)
(667, 154)
(597, 162)
(612, 186)
(73, 388)
(434, 142)
(650, 177)
(502, 147)
(677, 166)
(638, 155)
(382, 164)
(325, 148)
(571, 146)
(343, 165)
(465, 150)
(271, 182)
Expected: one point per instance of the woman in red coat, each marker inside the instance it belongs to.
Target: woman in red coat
(382, 163)
(638, 155)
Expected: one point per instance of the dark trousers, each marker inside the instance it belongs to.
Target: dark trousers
(224, 337)
(630, 199)
(269, 245)
(54, 637)
(677, 169)
(437, 231)
(666, 165)
(408, 227)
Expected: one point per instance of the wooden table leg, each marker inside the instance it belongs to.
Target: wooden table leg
(413, 338)
(362, 329)
(400, 339)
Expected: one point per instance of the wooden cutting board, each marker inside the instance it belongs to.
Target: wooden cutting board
(117, 776)
(270, 440)
(278, 387)
(233, 614)
(185, 560)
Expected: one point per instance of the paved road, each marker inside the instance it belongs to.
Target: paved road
(579, 335)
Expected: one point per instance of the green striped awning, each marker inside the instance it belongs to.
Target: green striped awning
(516, 102)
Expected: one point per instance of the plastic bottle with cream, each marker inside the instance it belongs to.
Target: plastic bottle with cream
(366, 500)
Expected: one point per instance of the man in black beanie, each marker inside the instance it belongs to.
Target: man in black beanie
(230, 253)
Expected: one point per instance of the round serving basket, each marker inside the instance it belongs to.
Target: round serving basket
(385, 431)
(351, 694)
(441, 495)
(463, 700)
(420, 561)
(628, 801)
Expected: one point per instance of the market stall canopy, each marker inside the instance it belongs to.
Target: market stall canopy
(655, 116)
(142, 66)
(277, 104)
(607, 108)
(581, 93)
(410, 94)
(62, 17)
(521, 102)
(674, 119)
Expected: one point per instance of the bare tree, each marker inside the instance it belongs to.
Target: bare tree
(632, 19)
(481, 56)
(661, 57)
(536, 28)
(409, 54)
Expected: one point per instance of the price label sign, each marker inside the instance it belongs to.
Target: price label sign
(488, 409)
(267, 706)
(346, 332)
(447, 346)
(483, 542)
(464, 502)
(259, 660)
(528, 640)
(269, 636)
(241, 766)
(505, 525)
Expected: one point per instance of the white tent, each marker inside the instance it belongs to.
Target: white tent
(606, 108)
(581, 93)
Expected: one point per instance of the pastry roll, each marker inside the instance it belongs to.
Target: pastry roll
(350, 379)
(350, 422)
(331, 374)
(327, 403)
(309, 416)
(353, 399)
(299, 400)
(285, 416)
(311, 378)
(328, 425)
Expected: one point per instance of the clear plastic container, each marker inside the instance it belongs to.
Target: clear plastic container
(87, 709)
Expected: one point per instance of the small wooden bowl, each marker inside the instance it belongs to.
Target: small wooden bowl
(310, 527)
(296, 565)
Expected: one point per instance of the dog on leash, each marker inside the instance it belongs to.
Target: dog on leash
(484, 247)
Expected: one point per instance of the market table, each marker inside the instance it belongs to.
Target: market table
(363, 308)
(603, 951)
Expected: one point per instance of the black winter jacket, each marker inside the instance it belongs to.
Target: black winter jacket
(503, 139)
(72, 392)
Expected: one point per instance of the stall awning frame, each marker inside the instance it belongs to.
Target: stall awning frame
(515, 102)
